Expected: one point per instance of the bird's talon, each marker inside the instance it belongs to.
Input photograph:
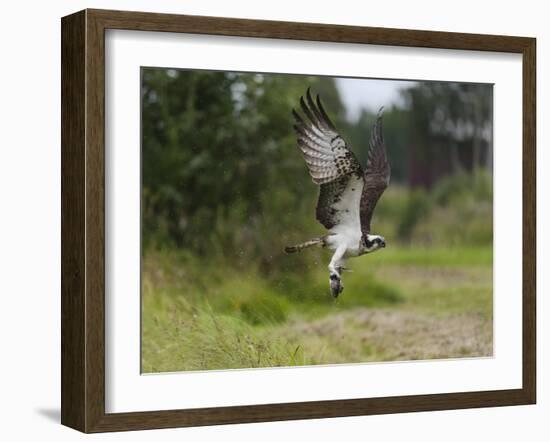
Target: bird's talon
(336, 286)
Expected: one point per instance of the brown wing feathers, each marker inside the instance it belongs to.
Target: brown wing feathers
(330, 163)
(377, 175)
(325, 152)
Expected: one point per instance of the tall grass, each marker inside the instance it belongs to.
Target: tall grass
(200, 316)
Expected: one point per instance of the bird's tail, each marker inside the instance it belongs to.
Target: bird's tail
(299, 247)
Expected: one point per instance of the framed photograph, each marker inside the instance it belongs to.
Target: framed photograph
(268, 220)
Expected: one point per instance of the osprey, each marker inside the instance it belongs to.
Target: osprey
(348, 194)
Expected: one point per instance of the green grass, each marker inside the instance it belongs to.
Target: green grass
(400, 303)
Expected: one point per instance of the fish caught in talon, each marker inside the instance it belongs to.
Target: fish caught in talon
(336, 286)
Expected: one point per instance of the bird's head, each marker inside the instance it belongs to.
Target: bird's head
(372, 243)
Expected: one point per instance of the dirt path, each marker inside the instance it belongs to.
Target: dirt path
(362, 335)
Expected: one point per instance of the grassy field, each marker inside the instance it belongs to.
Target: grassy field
(402, 303)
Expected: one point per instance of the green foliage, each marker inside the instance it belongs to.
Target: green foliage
(265, 309)
(210, 144)
(458, 210)
(462, 212)
(478, 186)
(208, 341)
(417, 206)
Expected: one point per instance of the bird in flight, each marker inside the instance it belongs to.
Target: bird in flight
(347, 194)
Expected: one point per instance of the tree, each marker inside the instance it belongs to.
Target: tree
(210, 143)
(451, 128)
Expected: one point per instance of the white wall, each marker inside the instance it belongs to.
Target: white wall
(30, 221)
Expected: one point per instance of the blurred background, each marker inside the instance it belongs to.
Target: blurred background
(224, 189)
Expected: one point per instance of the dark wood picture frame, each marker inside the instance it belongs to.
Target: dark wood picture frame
(83, 218)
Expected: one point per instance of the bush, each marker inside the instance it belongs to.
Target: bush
(265, 309)
(459, 209)
(477, 186)
(418, 206)
(462, 212)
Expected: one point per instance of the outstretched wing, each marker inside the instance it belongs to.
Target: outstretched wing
(377, 175)
(331, 164)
